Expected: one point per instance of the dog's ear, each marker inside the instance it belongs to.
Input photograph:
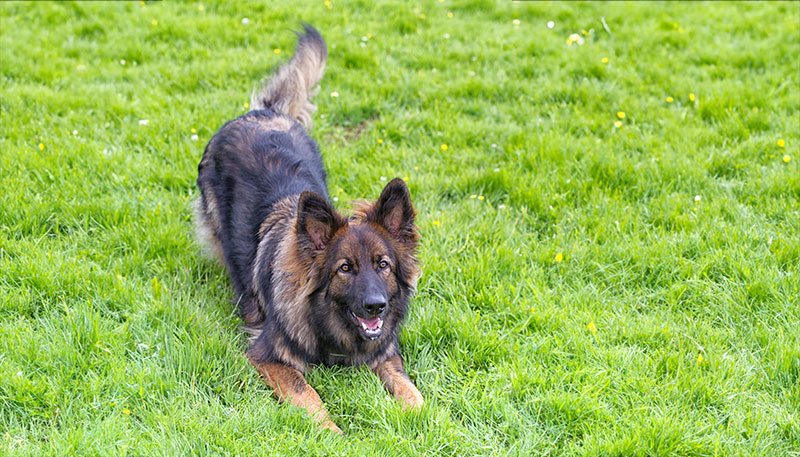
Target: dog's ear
(317, 221)
(394, 212)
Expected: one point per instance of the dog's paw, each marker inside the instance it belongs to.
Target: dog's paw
(329, 425)
(411, 399)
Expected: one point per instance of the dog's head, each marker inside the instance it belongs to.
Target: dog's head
(365, 266)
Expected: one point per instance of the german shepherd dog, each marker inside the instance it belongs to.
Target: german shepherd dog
(312, 286)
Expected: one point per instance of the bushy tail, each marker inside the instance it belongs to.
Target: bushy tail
(290, 89)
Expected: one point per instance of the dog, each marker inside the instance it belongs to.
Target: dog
(313, 287)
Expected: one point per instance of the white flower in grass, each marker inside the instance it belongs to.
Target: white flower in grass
(575, 38)
(245, 21)
(144, 121)
(550, 24)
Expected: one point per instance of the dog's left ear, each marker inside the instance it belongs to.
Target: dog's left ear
(316, 221)
(394, 212)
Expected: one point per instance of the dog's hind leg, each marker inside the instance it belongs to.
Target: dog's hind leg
(290, 385)
(250, 311)
(397, 382)
(207, 228)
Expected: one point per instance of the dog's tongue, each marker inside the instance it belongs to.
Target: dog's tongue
(370, 324)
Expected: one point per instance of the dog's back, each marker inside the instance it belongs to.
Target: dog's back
(257, 160)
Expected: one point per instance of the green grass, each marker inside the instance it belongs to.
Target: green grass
(669, 326)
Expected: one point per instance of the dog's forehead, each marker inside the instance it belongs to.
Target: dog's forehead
(362, 240)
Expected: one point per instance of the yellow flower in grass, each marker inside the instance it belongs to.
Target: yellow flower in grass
(591, 327)
(692, 97)
(781, 143)
(618, 124)
(604, 60)
(126, 411)
(621, 114)
(700, 358)
(41, 146)
(559, 257)
(786, 158)
(437, 223)
(328, 4)
(380, 140)
(444, 147)
(276, 51)
(669, 99)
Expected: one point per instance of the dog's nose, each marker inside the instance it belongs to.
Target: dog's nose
(375, 304)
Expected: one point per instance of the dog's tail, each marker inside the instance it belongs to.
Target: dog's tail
(290, 89)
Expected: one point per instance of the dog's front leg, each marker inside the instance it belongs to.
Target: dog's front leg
(396, 380)
(290, 385)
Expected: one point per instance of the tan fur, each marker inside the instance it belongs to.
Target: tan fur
(289, 385)
(291, 278)
(280, 124)
(361, 209)
(397, 382)
(207, 227)
(290, 90)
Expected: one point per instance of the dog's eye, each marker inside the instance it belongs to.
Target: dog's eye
(345, 268)
(383, 264)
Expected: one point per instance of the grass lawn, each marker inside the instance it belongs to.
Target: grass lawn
(611, 230)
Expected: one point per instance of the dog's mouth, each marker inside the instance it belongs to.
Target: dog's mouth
(368, 327)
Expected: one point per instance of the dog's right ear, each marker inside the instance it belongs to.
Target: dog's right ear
(317, 221)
